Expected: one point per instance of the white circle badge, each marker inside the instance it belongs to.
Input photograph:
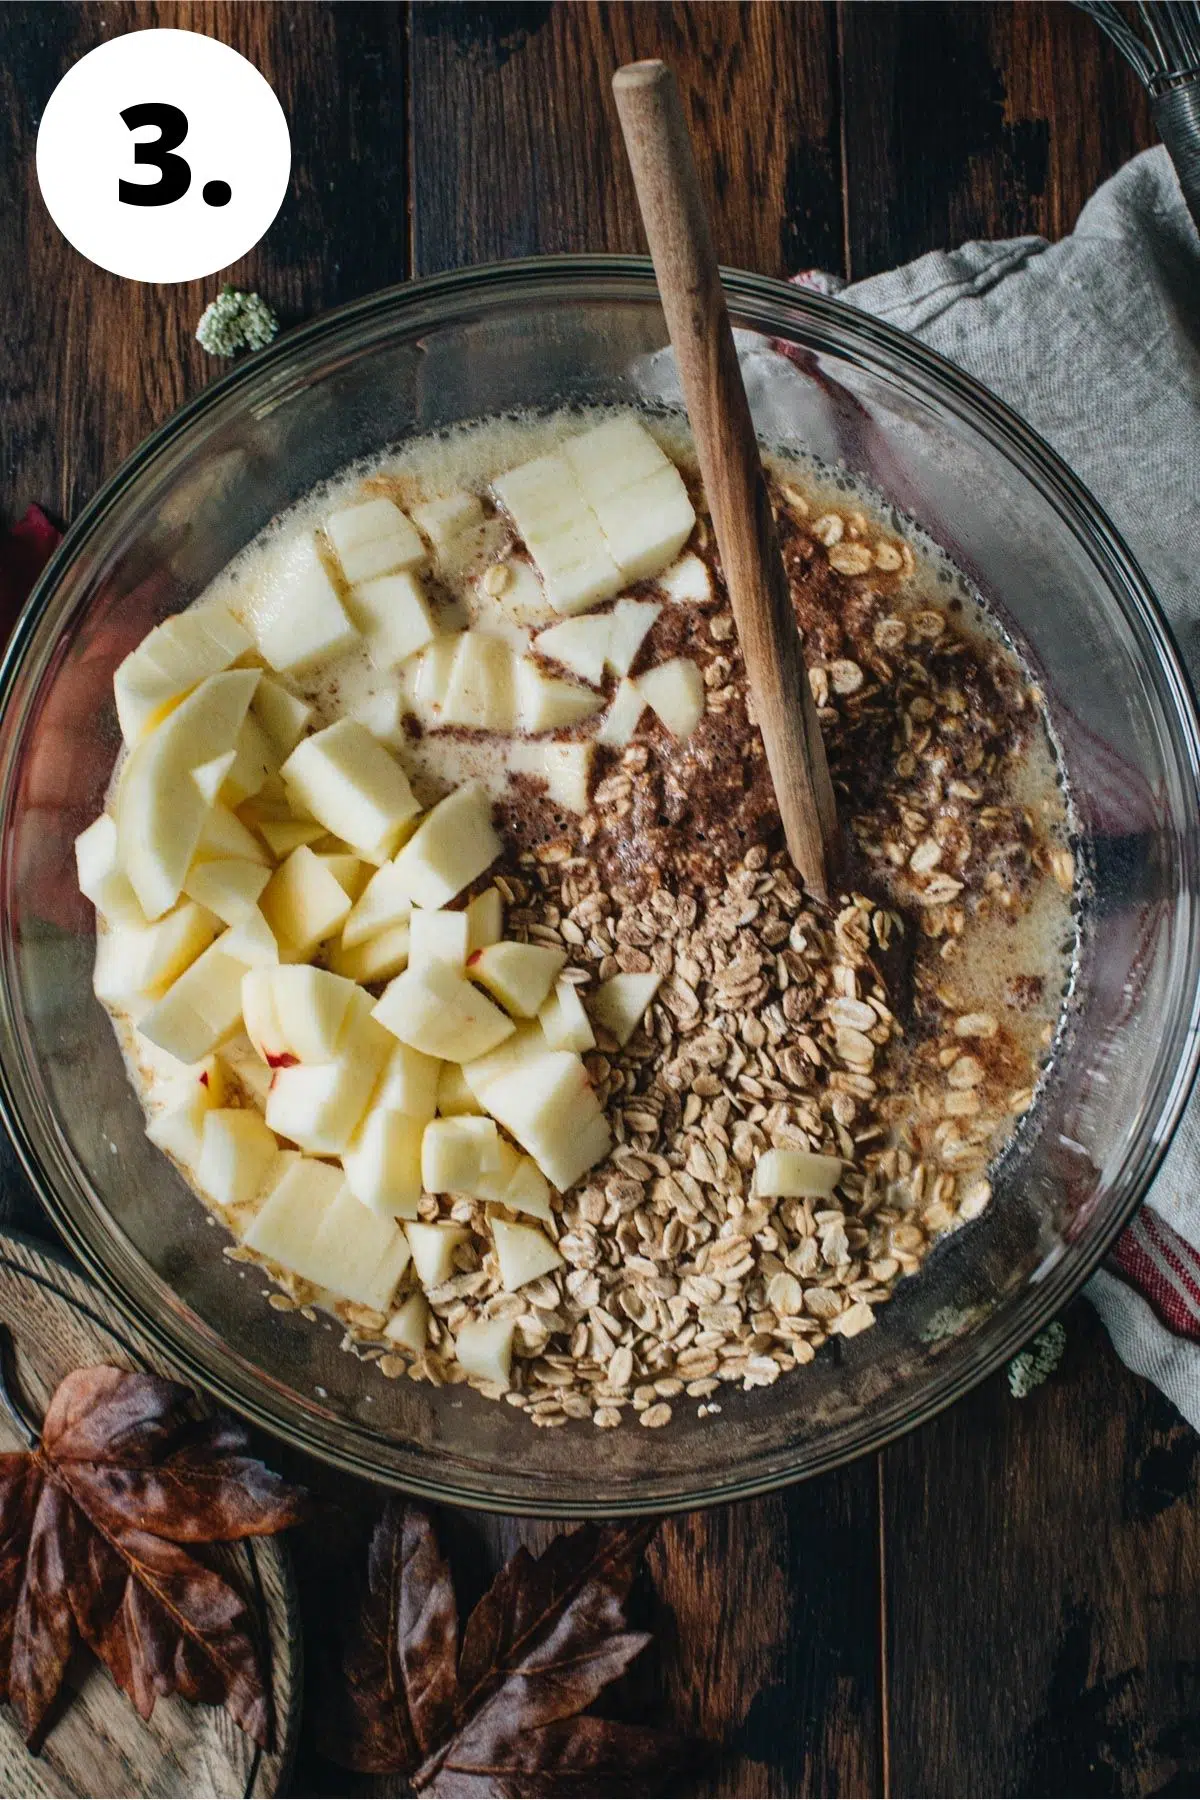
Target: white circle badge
(163, 156)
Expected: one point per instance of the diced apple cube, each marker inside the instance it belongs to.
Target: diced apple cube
(520, 1052)
(622, 718)
(319, 1106)
(353, 786)
(255, 761)
(378, 959)
(383, 1163)
(451, 846)
(224, 836)
(523, 1252)
(581, 645)
(101, 877)
(383, 903)
(171, 660)
(483, 1348)
(611, 456)
(298, 619)
(287, 1224)
(456, 1152)
(796, 1174)
(409, 1084)
(449, 518)
(522, 599)
(210, 777)
(564, 1022)
(675, 690)
(312, 1224)
(248, 1069)
(453, 1094)
(209, 1074)
(433, 1248)
(493, 1183)
(438, 937)
(442, 1014)
(426, 678)
(303, 903)
(372, 538)
(562, 533)
(635, 492)
(620, 1003)
(485, 919)
(178, 1129)
(383, 714)
(393, 615)
(553, 1113)
(229, 887)
(307, 1011)
(142, 961)
(285, 835)
(546, 704)
(260, 1020)
(687, 580)
(160, 810)
(361, 1255)
(647, 524)
(281, 714)
(519, 975)
(527, 1191)
(317, 1011)
(565, 768)
(252, 942)
(236, 1151)
(408, 1327)
(479, 688)
(199, 1010)
(632, 622)
(348, 870)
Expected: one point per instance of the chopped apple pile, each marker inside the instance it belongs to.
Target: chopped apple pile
(256, 875)
(307, 951)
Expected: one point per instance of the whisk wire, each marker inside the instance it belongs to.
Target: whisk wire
(1164, 53)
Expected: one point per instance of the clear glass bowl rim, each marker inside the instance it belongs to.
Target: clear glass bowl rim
(777, 309)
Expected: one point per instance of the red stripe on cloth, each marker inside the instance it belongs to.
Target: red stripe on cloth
(1174, 1250)
(1160, 1288)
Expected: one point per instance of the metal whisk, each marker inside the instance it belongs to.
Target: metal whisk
(1160, 39)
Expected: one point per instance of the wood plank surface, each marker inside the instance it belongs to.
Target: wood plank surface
(1037, 1558)
(967, 121)
(1041, 1562)
(516, 149)
(90, 363)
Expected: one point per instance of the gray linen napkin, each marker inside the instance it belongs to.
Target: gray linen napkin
(1096, 342)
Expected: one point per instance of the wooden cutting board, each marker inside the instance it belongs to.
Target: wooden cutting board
(98, 1744)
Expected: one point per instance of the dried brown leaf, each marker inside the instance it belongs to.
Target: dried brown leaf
(93, 1521)
(584, 1756)
(398, 1686)
(548, 1636)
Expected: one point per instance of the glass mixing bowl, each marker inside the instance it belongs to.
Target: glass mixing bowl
(837, 385)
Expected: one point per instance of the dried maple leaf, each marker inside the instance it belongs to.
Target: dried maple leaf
(502, 1716)
(93, 1520)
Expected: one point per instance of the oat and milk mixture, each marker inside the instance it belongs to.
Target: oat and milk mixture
(901, 1032)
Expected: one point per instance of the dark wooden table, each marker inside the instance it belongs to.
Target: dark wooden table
(1003, 1602)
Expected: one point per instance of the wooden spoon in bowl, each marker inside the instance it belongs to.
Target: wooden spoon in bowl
(689, 281)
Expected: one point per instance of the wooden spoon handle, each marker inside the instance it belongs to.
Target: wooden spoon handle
(689, 281)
